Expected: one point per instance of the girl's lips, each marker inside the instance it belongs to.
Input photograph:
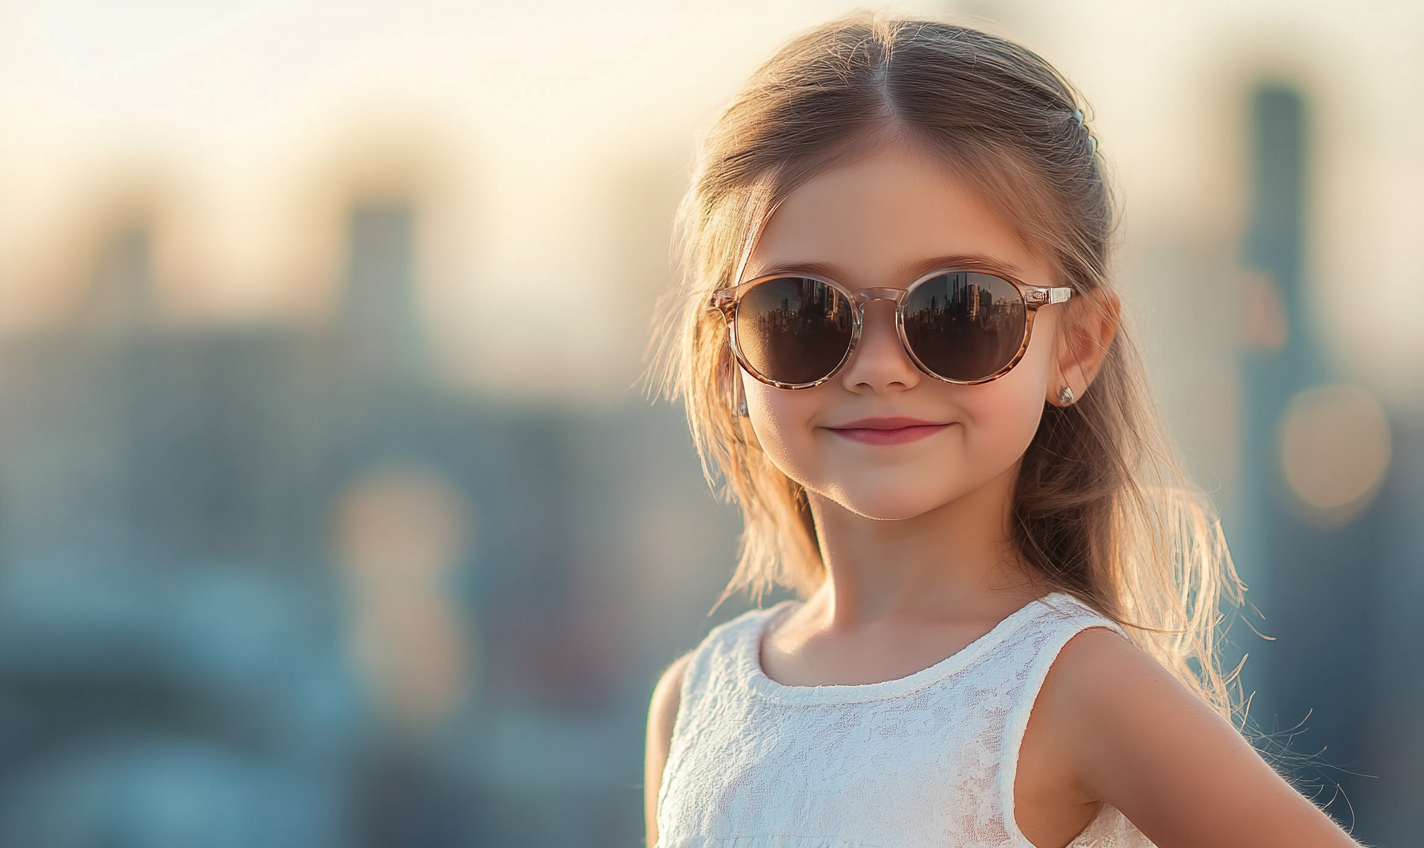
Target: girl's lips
(887, 431)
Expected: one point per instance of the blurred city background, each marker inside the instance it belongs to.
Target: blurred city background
(332, 515)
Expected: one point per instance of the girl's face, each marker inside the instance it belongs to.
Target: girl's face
(881, 438)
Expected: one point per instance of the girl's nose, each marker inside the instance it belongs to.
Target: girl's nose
(880, 362)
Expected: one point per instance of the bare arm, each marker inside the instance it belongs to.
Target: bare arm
(1139, 740)
(661, 716)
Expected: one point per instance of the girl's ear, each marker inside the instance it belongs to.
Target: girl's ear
(1084, 337)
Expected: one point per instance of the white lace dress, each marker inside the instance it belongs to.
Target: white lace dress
(925, 760)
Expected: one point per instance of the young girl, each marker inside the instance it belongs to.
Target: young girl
(901, 351)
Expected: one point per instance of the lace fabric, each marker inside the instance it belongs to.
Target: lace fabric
(924, 760)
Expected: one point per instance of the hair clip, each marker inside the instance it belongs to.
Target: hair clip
(1092, 140)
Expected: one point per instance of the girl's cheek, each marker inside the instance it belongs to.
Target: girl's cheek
(1004, 417)
(1007, 429)
(776, 417)
(781, 420)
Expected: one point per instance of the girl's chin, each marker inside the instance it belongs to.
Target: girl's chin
(888, 506)
(901, 514)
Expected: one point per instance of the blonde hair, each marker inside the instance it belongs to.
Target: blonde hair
(1101, 509)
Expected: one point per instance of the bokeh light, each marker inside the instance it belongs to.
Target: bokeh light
(1335, 450)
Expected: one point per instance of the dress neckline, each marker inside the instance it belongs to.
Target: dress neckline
(749, 658)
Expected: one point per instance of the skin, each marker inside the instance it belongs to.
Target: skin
(915, 537)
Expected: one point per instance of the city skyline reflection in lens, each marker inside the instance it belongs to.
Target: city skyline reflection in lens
(964, 325)
(794, 329)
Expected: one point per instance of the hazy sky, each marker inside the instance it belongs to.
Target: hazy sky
(243, 126)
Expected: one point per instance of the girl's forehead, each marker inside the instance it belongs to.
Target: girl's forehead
(887, 215)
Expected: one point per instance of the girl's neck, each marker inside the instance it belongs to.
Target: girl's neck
(956, 561)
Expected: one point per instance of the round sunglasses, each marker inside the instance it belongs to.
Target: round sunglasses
(796, 331)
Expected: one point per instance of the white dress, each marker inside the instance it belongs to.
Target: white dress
(925, 760)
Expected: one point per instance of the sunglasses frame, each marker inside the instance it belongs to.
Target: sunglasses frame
(728, 300)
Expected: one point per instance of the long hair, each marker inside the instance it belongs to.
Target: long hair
(1101, 509)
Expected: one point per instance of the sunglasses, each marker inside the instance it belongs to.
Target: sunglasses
(796, 331)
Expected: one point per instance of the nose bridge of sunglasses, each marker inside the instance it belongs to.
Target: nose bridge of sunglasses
(895, 296)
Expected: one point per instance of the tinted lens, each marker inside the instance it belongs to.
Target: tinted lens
(965, 325)
(794, 329)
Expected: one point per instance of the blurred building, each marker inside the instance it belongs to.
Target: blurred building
(287, 582)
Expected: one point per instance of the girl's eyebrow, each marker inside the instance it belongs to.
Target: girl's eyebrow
(908, 273)
(965, 261)
(777, 269)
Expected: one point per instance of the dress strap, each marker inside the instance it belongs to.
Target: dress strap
(1052, 630)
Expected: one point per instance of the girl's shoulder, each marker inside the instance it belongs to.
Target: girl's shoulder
(1133, 736)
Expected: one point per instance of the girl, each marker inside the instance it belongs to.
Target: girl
(901, 351)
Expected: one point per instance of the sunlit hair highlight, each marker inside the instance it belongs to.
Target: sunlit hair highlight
(1101, 508)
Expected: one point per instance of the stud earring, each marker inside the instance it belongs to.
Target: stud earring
(1065, 396)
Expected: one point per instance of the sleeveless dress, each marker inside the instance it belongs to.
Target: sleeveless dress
(925, 760)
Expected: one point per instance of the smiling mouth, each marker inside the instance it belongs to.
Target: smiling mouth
(887, 431)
